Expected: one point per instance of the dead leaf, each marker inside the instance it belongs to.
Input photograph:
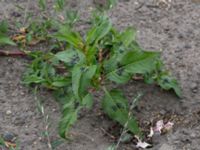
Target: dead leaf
(9, 144)
(19, 38)
(23, 30)
(168, 126)
(141, 144)
(151, 133)
(159, 126)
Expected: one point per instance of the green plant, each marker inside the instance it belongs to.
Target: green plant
(10, 146)
(94, 62)
(4, 39)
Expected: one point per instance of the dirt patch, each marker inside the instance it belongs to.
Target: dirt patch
(175, 30)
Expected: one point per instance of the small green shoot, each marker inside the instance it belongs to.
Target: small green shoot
(4, 39)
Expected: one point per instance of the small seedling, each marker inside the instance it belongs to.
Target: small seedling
(8, 145)
(4, 39)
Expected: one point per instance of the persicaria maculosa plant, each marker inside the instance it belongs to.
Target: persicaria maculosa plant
(101, 57)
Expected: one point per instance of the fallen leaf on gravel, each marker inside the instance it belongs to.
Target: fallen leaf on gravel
(23, 30)
(159, 126)
(141, 144)
(18, 38)
(9, 145)
(151, 132)
(168, 126)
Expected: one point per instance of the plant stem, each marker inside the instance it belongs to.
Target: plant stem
(45, 118)
(124, 131)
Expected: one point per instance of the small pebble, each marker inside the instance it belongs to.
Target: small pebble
(35, 143)
(22, 93)
(8, 112)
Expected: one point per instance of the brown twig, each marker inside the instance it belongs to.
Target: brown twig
(108, 134)
(12, 53)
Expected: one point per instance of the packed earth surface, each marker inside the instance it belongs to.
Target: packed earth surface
(172, 27)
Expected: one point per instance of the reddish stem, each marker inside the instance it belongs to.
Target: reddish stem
(12, 53)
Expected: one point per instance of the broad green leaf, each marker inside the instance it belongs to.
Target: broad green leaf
(76, 78)
(163, 78)
(88, 101)
(61, 82)
(71, 37)
(167, 82)
(33, 79)
(86, 78)
(90, 55)
(3, 26)
(5, 40)
(68, 119)
(128, 36)
(113, 62)
(119, 77)
(98, 31)
(71, 57)
(116, 107)
(139, 62)
(131, 63)
(81, 78)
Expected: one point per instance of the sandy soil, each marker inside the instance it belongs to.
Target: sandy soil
(175, 30)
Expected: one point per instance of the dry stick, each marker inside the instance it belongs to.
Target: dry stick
(12, 53)
(105, 132)
(124, 131)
